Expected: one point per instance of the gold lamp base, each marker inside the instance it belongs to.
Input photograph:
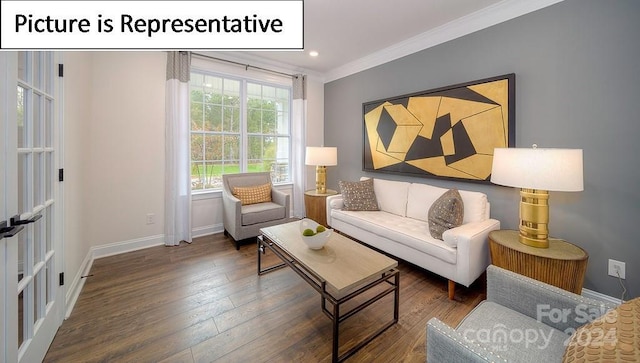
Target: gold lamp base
(321, 179)
(534, 218)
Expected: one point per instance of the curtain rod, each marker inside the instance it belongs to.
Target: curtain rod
(246, 66)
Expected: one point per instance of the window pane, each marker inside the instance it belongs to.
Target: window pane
(213, 175)
(213, 147)
(231, 147)
(197, 116)
(197, 175)
(231, 117)
(270, 147)
(197, 147)
(268, 121)
(254, 152)
(254, 120)
(212, 117)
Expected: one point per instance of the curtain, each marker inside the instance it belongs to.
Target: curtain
(299, 142)
(177, 205)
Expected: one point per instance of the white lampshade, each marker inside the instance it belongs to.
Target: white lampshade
(323, 156)
(535, 168)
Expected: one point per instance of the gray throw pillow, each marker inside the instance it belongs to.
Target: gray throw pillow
(358, 196)
(445, 213)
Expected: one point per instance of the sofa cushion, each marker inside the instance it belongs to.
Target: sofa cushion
(475, 206)
(407, 231)
(514, 336)
(261, 212)
(253, 194)
(421, 197)
(445, 213)
(358, 196)
(392, 196)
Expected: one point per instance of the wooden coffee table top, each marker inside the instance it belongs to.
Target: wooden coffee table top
(342, 262)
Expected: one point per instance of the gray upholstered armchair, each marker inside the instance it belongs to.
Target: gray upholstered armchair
(244, 221)
(522, 320)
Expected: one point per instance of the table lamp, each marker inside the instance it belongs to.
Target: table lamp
(536, 171)
(321, 157)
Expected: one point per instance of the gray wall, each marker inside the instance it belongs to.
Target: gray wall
(577, 66)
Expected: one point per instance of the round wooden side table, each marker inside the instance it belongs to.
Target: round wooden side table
(562, 264)
(315, 205)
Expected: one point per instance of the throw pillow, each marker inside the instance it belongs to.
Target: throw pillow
(358, 196)
(445, 213)
(253, 194)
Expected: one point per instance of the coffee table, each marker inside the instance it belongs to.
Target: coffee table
(341, 271)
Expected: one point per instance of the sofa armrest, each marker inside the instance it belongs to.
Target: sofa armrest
(548, 304)
(333, 202)
(474, 232)
(445, 344)
(471, 242)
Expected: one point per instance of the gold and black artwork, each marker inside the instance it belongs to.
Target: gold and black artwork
(448, 132)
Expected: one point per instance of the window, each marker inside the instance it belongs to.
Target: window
(238, 125)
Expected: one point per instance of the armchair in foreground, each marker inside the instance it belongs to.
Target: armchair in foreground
(525, 320)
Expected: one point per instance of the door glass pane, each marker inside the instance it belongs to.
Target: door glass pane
(48, 122)
(48, 220)
(37, 69)
(22, 114)
(23, 191)
(48, 175)
(48, 73)
(21, 302)
(37, 179)
(23, 65)
(48, 281)
(37, 121)
(37, 296)
(38, 241)
(22, 253)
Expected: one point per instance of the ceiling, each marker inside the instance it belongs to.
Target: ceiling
(345, 32)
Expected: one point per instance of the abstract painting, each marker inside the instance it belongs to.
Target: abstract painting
(448, 132)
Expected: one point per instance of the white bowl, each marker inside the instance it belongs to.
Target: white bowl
(318, 240)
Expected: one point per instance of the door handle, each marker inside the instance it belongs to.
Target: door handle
(16, 221)
(9, 231)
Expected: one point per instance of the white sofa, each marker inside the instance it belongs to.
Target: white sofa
(401, 228)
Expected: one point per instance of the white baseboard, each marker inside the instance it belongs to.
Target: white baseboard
(599, 296)
(207, 230)
(73, 292)
(127, 246)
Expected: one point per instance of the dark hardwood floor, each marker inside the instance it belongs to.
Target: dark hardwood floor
(204, 302)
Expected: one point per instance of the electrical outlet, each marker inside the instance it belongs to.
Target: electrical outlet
(151, 218)
(616, 268)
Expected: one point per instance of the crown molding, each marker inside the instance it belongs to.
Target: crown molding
(481, 19)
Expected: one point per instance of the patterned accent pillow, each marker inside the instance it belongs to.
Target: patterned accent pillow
(358, 196)
(445, 213)
(253, 195)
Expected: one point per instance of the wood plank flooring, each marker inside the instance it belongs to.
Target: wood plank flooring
(204, 302)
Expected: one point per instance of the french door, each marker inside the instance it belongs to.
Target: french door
(31, 298)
